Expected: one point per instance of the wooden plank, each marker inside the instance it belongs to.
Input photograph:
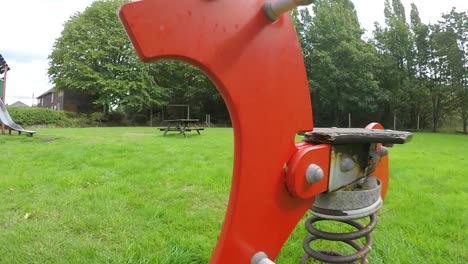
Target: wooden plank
(356, 135)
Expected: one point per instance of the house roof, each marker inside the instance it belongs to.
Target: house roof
(46, 93)
(19, 104)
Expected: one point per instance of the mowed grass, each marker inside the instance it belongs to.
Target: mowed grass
(130, 195)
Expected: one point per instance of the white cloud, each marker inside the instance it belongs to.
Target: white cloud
(370, 11)
(25, 79)
(27, 40)
(34, 25)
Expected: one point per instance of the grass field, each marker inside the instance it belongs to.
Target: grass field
(129, 195)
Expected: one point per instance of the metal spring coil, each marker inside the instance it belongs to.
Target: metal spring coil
(328, 256)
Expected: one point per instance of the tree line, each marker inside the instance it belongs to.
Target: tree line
(408, 71)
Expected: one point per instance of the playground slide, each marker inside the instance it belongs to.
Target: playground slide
(5, 118)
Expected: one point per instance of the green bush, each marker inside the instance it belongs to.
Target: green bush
(97, 116)
(116, 116)
(36, 116)
(44, 116)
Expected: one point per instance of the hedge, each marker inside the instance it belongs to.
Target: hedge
(44, 116)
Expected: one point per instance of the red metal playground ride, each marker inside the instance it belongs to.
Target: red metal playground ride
(250, 50)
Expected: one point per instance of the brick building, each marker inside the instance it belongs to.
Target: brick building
(68, 101)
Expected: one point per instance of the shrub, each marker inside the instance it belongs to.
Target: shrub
(44, 116)
(36, 116)
(117, 116)
(97, 116)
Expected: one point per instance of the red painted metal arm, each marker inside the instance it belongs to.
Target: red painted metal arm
(258, 68)
(382, 169)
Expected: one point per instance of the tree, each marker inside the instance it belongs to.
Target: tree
(441, 42)
(422, 54)
(421, 43)
(394, 42)
(408, 51)
(302, 20)
(455, 25)
(94, 55)
(182, 83)
(425, 65)
(340, 65)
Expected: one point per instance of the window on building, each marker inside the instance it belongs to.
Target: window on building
(52, 98)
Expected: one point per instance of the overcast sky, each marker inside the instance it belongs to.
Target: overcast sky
(31, 26)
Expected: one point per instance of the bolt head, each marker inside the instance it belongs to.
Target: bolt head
(370, 182)
(314, 174)
(383, 151)
(346, 164)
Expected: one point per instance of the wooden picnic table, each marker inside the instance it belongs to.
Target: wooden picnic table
(181, 126)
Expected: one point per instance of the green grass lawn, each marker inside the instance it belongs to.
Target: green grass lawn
(129, 195)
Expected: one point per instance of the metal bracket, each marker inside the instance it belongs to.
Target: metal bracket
(307, 161)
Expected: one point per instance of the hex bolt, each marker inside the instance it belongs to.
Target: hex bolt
(346, 164)
(383, 151)
(314, 174)
(261, 258)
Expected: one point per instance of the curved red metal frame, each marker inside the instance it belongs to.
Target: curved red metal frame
(258, 68)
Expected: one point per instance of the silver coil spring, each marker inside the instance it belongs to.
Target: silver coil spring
(329, 256)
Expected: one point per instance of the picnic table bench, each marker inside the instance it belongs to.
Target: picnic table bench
(181, 126)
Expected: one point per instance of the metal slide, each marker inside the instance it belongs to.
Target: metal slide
(5, 118)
